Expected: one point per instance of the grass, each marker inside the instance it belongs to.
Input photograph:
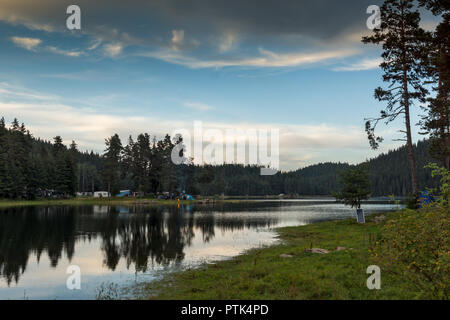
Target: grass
(262, 274)
(84, 201)
(103, 201)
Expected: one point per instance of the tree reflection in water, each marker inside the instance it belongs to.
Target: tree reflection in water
(143, 236)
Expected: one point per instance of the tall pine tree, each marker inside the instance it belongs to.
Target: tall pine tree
(436, 122)
(403, 43)
(111, 167)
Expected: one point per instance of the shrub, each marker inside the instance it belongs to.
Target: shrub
(415, 245)
(444, 200)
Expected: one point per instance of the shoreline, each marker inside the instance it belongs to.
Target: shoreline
(152, 201)
(288, 270)
(111, 201)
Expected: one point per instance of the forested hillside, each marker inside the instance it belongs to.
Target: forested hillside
(390, 174)
(30, 168)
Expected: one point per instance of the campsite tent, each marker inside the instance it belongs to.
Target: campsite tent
(425, 198)
(124, 193)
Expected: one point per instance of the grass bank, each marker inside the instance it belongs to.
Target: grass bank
(264, 274)
(108, 201)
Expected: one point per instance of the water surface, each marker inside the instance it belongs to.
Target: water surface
(126, 245)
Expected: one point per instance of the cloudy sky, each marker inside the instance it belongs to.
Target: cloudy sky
(156, 66)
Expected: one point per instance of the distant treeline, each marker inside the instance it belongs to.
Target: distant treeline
(32, 168)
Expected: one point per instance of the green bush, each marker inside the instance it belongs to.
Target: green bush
(416, 245)
(444, 200)
(410, 202)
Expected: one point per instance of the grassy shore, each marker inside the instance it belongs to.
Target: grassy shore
(108, 201)
(263, 274)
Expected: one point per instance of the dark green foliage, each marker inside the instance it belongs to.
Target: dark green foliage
(356, 186)
(65, 169)
(415, 245)
(168, 179)
(146, 165)
(390, 174)
(30, 167)
(436, 122)
(111, 169)
(205, 177)
(90, 165)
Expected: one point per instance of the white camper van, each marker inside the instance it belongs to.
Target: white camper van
(101, 194)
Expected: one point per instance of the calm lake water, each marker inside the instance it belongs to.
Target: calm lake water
(130, 245)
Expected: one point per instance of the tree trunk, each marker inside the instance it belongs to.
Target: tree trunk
(412, 162)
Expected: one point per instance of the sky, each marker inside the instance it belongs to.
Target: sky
(158, 66)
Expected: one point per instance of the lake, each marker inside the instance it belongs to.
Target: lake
(128, 245)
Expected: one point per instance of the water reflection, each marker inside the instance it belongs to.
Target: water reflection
(125, 244)
(28, 231)
(142, 236)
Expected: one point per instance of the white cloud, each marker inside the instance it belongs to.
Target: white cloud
(366, 64)
(265, 59)
(47, 116)
(68, 53)
(227, 42)
(299, 144)
(83, 125)
(95, 44)
(113, 49)
(26, 43)
(177, 39)
(198, 106)
(13, 93)
(33, 43)
(14, 19)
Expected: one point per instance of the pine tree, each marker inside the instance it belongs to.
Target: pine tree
(72, 168)
(3, 166)
(61, 177)
(207, 175)
(168, 172)
(156, 165)
(436, 122)
(111, 168)
(403, 44)
(15, 125)
(16, 156)
(141, 162)
(356, 186)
